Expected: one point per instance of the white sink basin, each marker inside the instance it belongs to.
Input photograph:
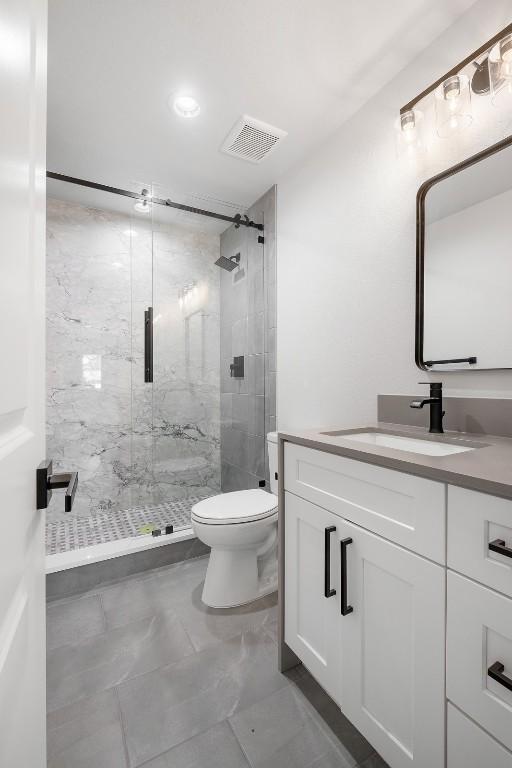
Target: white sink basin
(426, 447)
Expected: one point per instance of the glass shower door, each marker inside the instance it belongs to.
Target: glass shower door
(98, 267)
(186, 352)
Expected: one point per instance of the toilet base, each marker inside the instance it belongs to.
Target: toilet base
(238, 577)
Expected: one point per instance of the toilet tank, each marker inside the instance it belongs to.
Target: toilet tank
(272, 460)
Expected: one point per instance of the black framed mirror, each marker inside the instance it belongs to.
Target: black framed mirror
(464, 265)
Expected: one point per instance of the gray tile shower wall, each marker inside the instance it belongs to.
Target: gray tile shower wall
(247, 327)
(132, 443)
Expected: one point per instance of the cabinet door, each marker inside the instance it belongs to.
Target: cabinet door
(470, 747)
(479, 655)
(393, 650)
(311, 573)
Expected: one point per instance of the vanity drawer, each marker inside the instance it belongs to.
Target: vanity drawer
(474, 521)
(470, 747)
(479, 635)
(402, 508)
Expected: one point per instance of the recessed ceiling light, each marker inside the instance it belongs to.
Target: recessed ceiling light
(186, 106)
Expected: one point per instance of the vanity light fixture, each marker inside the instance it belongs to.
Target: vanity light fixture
(500, 70)
(492, 73)
(410, 131)
(143, 205)
(186, 106)
(453, 105)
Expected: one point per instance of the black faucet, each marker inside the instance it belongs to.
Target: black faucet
(436, 406)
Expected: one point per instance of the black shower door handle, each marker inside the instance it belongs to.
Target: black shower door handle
(496, 671)
(148, 345)
(328, 592)
(47, 481)
(498, 545)
(345, 608)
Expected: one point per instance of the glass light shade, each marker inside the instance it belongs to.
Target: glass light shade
(500, 70)
(142, 206)
(453, 105)
(409, 131)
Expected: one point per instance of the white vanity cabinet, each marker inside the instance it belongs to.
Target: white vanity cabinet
(377, 644)
(479, 625)
(398, 599)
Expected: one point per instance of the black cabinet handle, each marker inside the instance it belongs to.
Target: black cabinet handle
(328, 592)
(496, 672)
(345, 609)
(148, 345)
(498, 545)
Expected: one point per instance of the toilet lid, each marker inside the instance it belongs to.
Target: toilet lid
(235, 507)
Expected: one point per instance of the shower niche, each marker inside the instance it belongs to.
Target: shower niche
(129, 290)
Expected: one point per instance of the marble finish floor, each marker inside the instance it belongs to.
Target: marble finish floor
(141, 673)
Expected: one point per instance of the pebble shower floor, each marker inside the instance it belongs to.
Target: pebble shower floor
(78, 532)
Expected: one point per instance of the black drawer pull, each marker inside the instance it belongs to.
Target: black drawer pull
(345, 609)
(328, 592)
(496, 672)
(498, 545)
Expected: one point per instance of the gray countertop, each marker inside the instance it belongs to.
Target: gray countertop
(488, 468)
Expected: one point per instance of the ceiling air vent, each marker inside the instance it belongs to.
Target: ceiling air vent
(252, 140)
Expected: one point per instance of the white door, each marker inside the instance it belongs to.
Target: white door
(22, 232)
(311, 590)
(393, 650)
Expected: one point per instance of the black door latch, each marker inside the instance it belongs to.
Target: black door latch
(46, 482)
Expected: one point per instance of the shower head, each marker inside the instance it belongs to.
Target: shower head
(228, 264)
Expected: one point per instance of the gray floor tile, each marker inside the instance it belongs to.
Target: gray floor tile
(81, 669)
(87, 734)
(104, 749)
(163, 590)
(352, 740)
(209, 626)
(375, 761)
(284, 730)
(166, 707)
(67, 724)
(72, 620)
(215, 748)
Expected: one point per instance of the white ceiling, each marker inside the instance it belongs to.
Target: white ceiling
(302, 65)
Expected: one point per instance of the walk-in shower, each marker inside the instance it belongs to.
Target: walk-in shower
(142, 333)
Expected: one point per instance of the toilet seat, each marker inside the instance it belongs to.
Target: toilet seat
(235, 507)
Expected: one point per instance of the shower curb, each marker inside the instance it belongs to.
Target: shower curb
(84, 578)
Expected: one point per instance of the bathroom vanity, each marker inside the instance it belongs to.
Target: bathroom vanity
(396, 587)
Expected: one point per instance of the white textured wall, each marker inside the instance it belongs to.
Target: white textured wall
(346, 251)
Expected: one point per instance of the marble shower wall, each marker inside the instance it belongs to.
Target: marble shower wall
(248, 327)
(132, 443)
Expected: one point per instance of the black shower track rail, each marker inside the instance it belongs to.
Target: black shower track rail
(238, 220)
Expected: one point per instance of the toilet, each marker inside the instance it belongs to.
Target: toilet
(241, 529)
